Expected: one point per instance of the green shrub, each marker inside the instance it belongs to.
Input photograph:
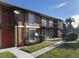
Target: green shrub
(41, 38)
(71, 36)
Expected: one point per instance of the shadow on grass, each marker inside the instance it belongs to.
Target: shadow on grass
(70, 45)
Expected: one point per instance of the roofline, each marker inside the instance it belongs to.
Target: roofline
(8, 4)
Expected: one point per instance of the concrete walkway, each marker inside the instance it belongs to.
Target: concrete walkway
(41, 51)
(19, 53)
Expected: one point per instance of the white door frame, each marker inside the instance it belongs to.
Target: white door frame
(29, 35)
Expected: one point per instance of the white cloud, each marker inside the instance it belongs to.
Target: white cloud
(61, 5)
(76, 22)
(58, 6)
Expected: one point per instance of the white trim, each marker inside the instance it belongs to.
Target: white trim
(19, 26)
(32, 27)
(29, 26)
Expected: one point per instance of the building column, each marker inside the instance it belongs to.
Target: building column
(20, 43)
(16, 36)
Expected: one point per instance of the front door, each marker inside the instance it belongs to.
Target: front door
(31, 35)
(44, 32)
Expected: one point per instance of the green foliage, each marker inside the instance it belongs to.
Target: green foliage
(69, 20)
(41, 38)
(71, 36)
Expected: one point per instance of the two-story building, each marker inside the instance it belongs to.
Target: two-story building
(20, 26)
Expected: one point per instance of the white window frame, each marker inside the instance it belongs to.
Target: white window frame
(32, 19)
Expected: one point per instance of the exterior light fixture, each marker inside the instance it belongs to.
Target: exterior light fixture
(16, 12)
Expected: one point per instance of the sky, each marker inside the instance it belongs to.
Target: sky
(61, 9)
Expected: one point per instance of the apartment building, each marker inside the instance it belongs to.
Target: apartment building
(19, 26)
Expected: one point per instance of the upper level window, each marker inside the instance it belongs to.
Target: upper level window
(43, 23)
(17, 17)
(50, 23)
(31, 17)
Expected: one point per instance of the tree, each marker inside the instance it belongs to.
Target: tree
(69, 24)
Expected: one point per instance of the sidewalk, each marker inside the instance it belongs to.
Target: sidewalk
(19, 53)
(41, 51)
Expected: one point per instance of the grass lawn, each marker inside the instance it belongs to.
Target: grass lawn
(7, 54)
(38, 46)
(66, 50)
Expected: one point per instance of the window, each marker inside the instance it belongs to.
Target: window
(50, 23)
(17, 17)
(43, 23)
(31, 17)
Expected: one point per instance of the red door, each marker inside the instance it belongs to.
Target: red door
(6, 38)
